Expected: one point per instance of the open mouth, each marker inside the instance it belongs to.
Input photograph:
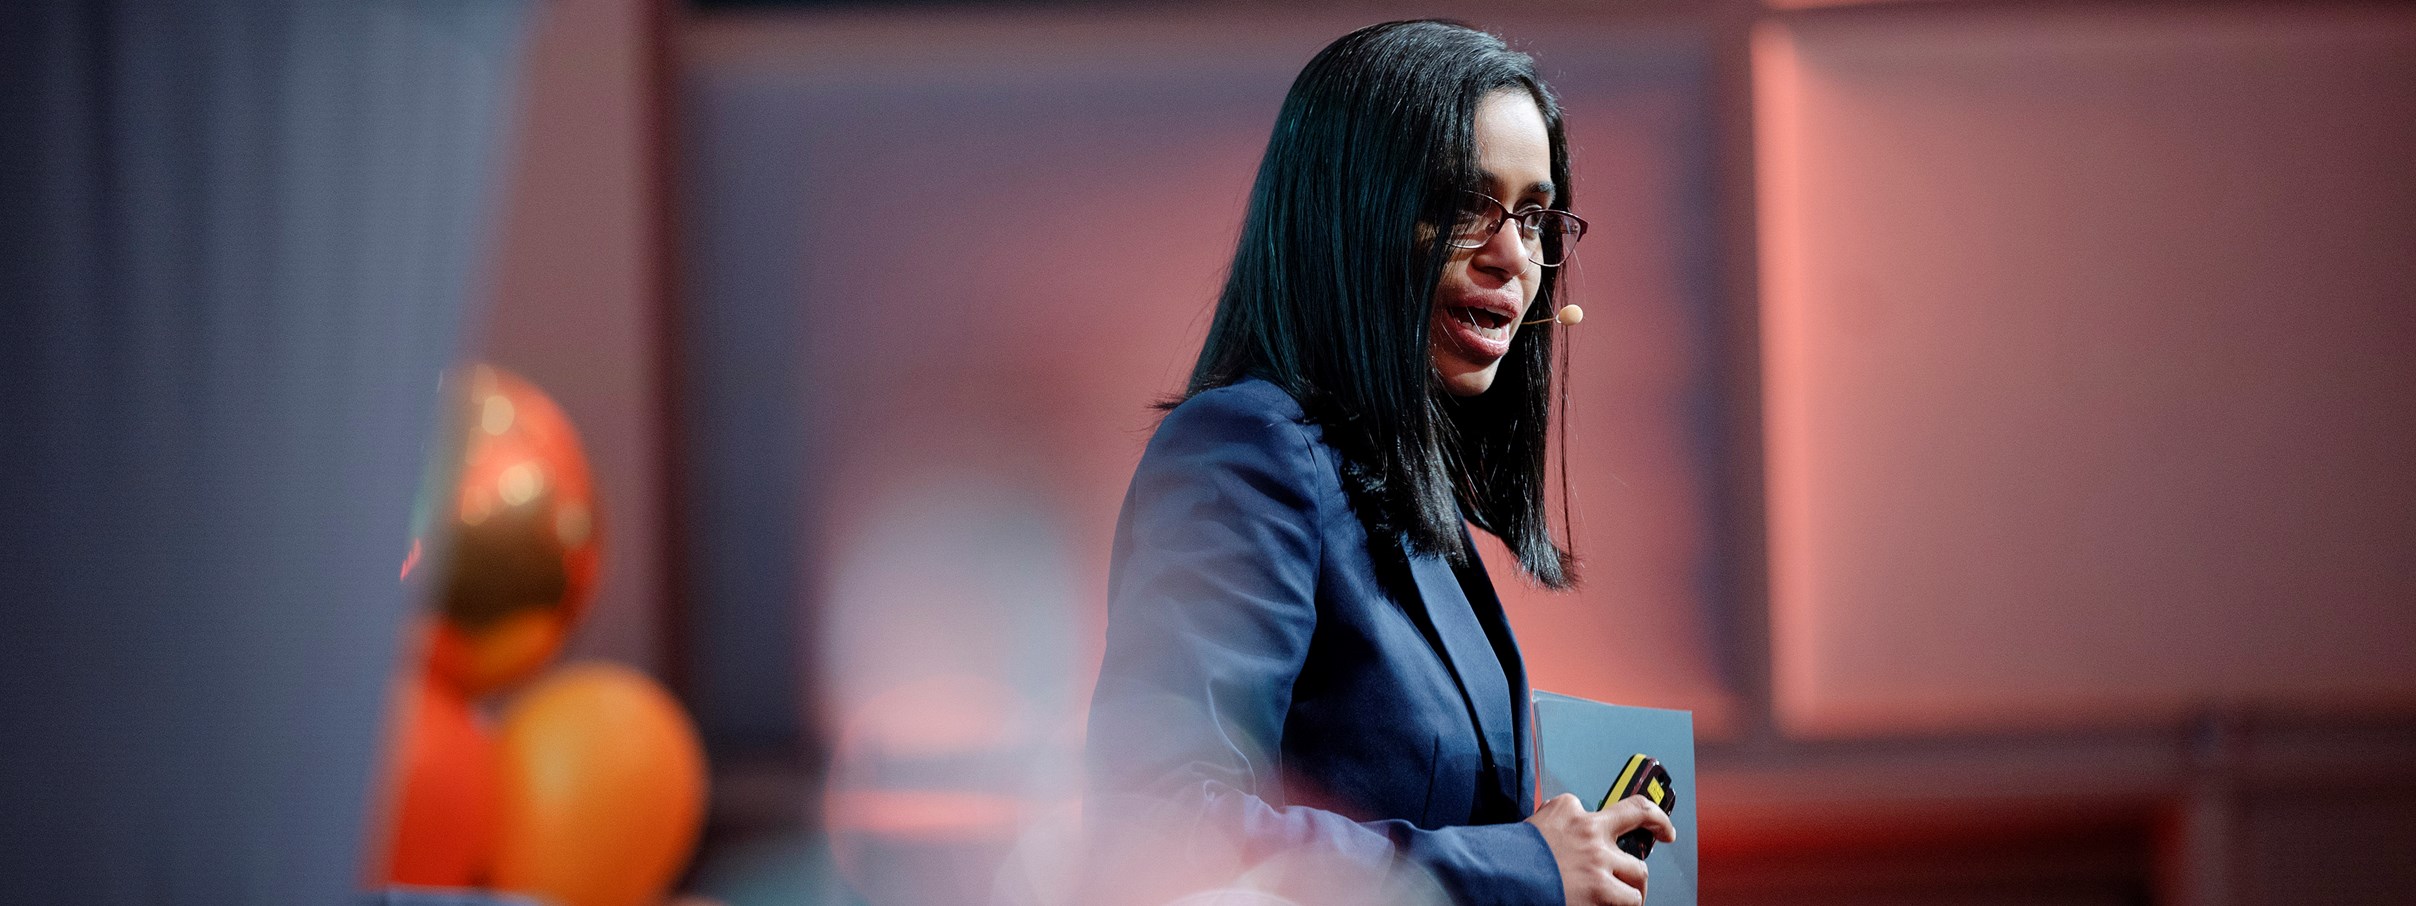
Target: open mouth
(1487, 323)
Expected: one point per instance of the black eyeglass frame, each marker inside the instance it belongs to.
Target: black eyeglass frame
(1530, 229)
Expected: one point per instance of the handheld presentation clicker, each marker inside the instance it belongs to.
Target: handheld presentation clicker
(1643, 776)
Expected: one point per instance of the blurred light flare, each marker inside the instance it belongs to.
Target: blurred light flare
(950, 619)
(495, 417)
(519, 484)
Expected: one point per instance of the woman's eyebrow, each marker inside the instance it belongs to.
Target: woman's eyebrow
(1542, 188)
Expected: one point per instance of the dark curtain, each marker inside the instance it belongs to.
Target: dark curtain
(236, 242)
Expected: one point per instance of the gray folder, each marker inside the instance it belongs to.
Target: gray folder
(1584, 743)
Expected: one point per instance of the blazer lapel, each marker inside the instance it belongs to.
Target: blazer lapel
(1489, 613)
(1474, 665)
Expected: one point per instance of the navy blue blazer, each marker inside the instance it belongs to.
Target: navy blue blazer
(1264, 688)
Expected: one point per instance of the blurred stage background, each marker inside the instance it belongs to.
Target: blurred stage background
(1995, 420)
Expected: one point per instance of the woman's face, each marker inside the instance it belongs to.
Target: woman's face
(1486, 290)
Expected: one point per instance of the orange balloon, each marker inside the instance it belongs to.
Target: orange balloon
(603, 789)
(482, 659)
(443, 832)
(520, 541)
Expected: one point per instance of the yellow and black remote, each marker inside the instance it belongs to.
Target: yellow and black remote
(1643, 776)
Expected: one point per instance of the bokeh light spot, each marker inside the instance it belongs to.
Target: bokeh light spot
(495, 416)
(519, 484)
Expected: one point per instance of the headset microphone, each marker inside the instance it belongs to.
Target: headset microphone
(1568, 316)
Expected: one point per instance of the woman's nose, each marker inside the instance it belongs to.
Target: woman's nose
(1504, 252)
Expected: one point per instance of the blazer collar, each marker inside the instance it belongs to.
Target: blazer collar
(1474, 637)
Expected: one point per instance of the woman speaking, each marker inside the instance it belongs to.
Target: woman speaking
(1309, 687)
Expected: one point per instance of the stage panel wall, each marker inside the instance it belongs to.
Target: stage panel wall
(2090, 364)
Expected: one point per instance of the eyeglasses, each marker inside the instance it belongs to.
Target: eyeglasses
(1547, 233)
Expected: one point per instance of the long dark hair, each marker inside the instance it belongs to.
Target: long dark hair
(1334, 278)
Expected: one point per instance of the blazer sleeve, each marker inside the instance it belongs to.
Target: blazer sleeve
(1211, 607)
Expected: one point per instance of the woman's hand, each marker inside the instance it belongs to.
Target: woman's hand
(1593, 871)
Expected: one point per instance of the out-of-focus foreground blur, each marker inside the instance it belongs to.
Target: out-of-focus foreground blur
(1995, 420)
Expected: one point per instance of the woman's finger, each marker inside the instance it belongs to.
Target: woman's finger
(1636, 811)
(1630, 870)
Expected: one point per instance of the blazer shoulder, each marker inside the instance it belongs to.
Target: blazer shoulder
(1254, 396)
(1248, 411)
